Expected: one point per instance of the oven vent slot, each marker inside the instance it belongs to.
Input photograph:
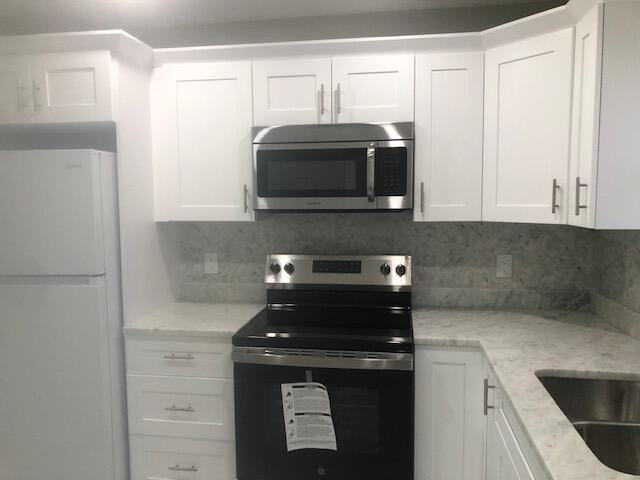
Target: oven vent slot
(348, 354)
(373, 355)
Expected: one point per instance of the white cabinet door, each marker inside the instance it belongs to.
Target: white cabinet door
(373, 89)
(291, 92)
(527, 129)
(162, 458)
(201, 129)
(449, 428)
(586, 119)
(16, 102)
(505, 458)
(449, 119)
(72, 87)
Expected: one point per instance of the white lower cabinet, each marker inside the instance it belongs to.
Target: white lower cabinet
(162, 458)
(180, 402)
(449, 427)
(464, 428)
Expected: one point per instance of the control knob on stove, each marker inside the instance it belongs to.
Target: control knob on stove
(401, 270)
(385, 269)
(275, 268)
(289, 268)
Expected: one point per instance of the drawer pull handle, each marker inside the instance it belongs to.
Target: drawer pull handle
(487, 407)
(182, 468)
(173, 408)
(173, 356)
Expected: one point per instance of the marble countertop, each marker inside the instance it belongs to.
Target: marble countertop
(196, 319)
(517, 345)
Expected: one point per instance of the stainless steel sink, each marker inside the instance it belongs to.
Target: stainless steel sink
(606, 414)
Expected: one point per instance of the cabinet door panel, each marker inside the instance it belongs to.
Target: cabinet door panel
(527, 125)
(201, 137)
(373, 89)
(448, 161)
(586, 119)
(290, 92)
(72, 87)
(449, 433)
(16, 103)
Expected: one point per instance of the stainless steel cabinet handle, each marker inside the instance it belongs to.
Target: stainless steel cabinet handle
(371, 158)
(421, 197)
(322, 99)
(173, 408)
(181, 468)
(244, 198)
(554, 196)
(174, 356)
(338, 100)
(578, 206)
(36, 96)
(486, 396)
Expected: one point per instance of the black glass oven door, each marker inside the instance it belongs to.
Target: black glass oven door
(372, 412)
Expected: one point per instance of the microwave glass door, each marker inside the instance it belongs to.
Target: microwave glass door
(372, 412)
(304, 171)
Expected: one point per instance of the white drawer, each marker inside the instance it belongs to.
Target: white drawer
(157, 458)
(184, 357)
(181, 407)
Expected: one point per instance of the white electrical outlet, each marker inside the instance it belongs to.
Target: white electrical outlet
(211, 263)
(504, 266)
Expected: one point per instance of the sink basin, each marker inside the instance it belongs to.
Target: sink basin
(606, 414)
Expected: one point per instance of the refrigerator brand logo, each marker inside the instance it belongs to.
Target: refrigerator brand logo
(70, 165)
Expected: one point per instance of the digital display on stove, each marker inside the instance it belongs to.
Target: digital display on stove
(336, 266)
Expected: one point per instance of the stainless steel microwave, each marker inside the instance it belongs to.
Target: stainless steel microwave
(353, 166)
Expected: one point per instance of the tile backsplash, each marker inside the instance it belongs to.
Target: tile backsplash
(454, 264)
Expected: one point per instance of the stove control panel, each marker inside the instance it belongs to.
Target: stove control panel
(374, 270)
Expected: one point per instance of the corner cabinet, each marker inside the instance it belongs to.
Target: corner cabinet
(527, 129)
(448, 129)
(449, 425)
(201, 135)
(56, 88)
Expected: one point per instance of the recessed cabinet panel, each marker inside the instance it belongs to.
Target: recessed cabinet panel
(201, 118)
(296, 91)
(373, 89)
(72, 87)
(448, 161)
(527, 128)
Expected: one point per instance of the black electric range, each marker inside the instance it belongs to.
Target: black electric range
(338, 329)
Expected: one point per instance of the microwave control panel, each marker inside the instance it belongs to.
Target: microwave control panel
(390, 172)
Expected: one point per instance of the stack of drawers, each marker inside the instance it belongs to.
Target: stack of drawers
(180, 397)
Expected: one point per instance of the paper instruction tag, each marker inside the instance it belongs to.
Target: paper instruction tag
(307, 416)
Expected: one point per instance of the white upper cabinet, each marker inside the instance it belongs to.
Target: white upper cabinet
(605, 169)
(292, 91)
(15, 90)
(373, 89)
(527, 129)
(448, 123)
(72, 87)
(56, 88)
(201, 128)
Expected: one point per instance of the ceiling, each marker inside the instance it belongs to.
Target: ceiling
(45, 16)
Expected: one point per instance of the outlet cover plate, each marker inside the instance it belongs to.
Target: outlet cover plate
(504, 266)
(211, 263)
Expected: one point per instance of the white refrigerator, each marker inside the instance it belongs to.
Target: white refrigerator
(62, 393)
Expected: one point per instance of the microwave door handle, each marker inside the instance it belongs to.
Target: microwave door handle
(371, 158)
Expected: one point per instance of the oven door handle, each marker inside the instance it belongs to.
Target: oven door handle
(323, 359)
(371, 166)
